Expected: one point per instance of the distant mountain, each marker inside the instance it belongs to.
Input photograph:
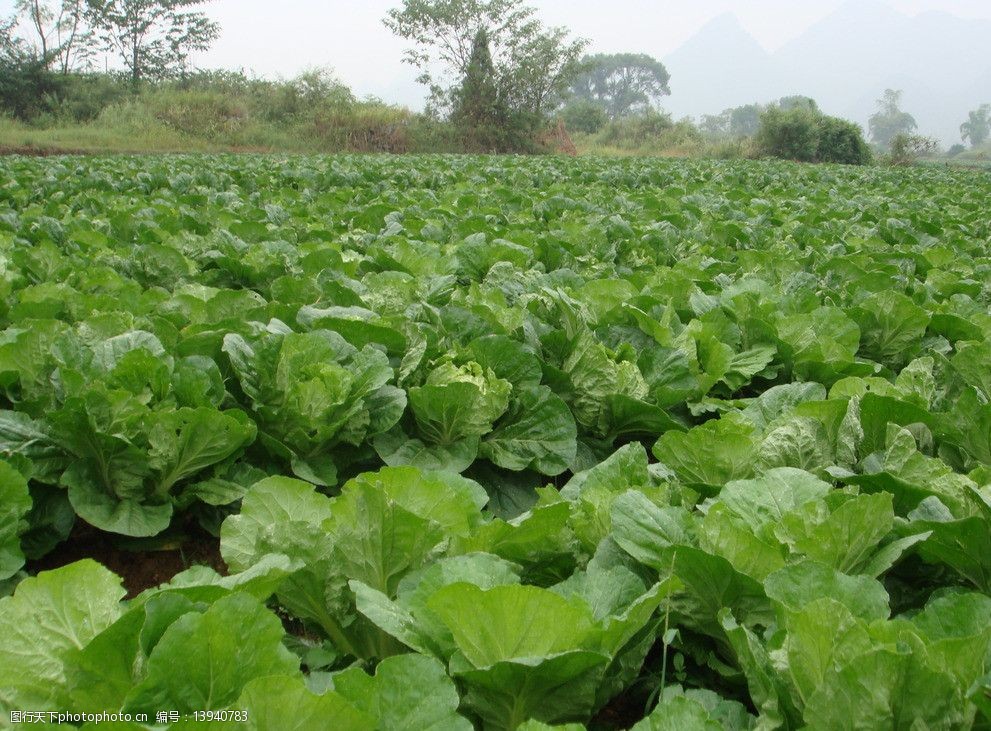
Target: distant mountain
(720, 66)
(845, 62)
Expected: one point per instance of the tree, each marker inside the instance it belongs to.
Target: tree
(798, 101)
(890, 121)
(64, 41)
(531, 64)
(25, 81)
(715, 125)
(744, 121)
(977, 128)
(622, 83)
(478, 111)
(153, 38)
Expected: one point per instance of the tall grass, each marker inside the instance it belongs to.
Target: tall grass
(221, 112)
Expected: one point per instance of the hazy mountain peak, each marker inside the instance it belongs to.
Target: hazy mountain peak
(723, 22)
(725, 36)
(700, 79)
(845, 61)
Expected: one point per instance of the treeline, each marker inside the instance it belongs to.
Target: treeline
(499, 81)
(151, 99)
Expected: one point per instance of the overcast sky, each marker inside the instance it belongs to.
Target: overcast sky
(283, 38)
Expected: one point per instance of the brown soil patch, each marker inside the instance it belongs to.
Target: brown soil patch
(31, 151)
(139, 569)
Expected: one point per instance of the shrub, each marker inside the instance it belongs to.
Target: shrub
(204, 114)
(731, 149)
(843, 142)
(803, 133)
(634, 132)
(906, 149)
(584, 115)
(791, 134)
(82, 97)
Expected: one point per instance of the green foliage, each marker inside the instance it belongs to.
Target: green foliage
(841, 141)
(583, 115)
(652, 132)
(889, 120)
(505, 63)
(479, 110)
(800, 132)
(788, 103)
(621, 84)
(59, 31)
(977, 128)
(790, 135)
(906, 149)
(25, 81)
(152, 38)
(500, 442)
(745, 121)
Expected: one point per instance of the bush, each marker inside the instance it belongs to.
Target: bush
(653, 133)
(843, 142)
(732, 149)
(804, 134)
(584, 115)
(82, 97)
(634, 132)
(791, 134)
(906, 149)
(428, 134)
(368, 127)
(206, 114)
(27, 88)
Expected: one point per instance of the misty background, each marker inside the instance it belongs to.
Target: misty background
(719, 53)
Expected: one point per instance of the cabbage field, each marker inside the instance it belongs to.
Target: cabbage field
(494, 443)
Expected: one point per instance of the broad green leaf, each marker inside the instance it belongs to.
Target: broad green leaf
(204, 661)
(538, 432)
(845, 538)
(820, 635)
(891, 327)
(278, 515)
(275, 703)
(709, 455)
(800, 584)
(48, 618)
(15, 502)
(679, 714)
(407, 693)
(884, 688)
(768, 689)
(593, 491)
(511, 622)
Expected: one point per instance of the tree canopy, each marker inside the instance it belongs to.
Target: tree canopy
(153, 38)
(532, 64)
(889, 120)
(977, 128)
(479, 112)
(622, 83)
(61, 37)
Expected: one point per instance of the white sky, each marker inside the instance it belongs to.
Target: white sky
(283, 38)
